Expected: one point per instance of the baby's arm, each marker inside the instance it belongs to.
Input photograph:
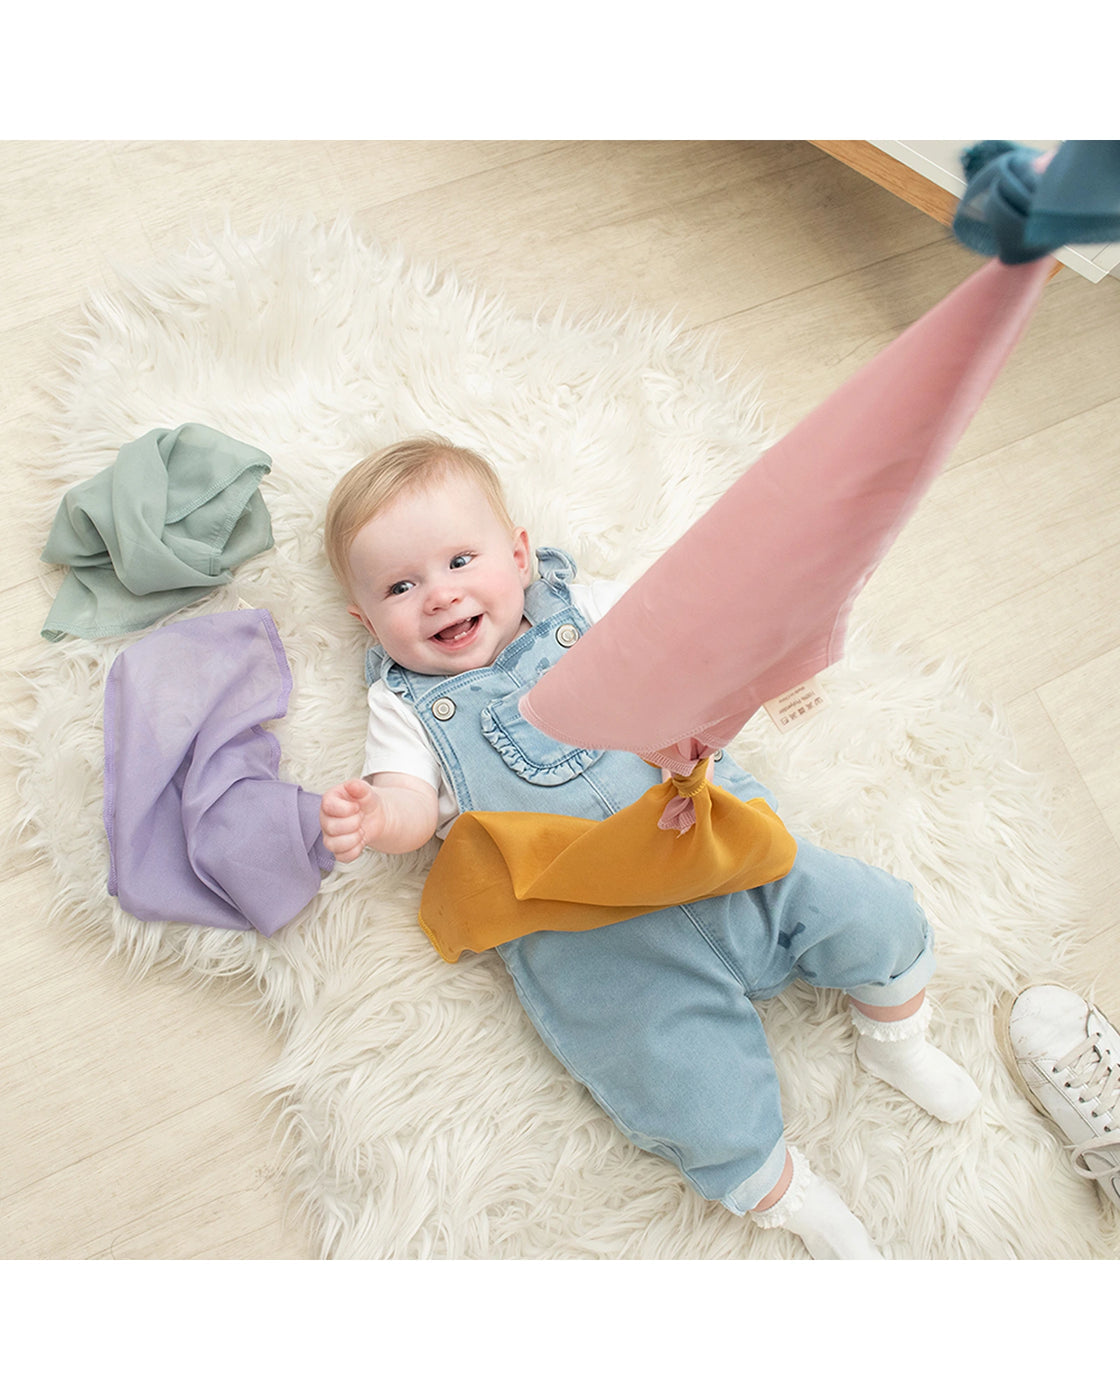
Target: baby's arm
(395, 812)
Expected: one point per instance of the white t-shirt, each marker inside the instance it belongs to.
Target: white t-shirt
(396, 741)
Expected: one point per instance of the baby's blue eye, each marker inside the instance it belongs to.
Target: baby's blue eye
(460, 560)
(401, 587)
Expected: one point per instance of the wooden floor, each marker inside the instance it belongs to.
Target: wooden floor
(131, 1123)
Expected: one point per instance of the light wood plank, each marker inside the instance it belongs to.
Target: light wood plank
(195, 1185)
(1019, 644)
(809, 341)
(1092, 863)
(915, 189)
(64, 195)
(691, 229)
(1002, 524)
(1082, 705)
(139, 1125)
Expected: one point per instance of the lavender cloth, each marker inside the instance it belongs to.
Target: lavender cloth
(200, 828)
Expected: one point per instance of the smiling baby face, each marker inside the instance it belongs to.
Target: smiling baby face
(438, 579)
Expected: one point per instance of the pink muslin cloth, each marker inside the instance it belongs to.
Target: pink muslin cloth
(755, 598)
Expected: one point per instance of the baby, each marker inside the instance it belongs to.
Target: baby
(655, 1014)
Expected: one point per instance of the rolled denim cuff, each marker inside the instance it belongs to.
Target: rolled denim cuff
(901, 988)
(759, 1184)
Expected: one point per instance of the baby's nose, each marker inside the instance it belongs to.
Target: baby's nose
(443, 595)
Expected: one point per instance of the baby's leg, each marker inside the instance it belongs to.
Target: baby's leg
(865, 934)
(650, 1017)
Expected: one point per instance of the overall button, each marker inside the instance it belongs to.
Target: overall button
(567, 635)
(443, 708)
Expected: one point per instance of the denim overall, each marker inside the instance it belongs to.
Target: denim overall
(654, 1015)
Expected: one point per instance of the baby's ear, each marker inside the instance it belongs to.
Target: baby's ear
(355, 611)
(523, 555)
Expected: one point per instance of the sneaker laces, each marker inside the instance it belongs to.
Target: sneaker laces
(1090, 1069)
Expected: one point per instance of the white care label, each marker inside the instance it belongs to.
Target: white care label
(796, 705)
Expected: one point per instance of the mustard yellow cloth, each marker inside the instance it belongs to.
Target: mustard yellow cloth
(500, 875)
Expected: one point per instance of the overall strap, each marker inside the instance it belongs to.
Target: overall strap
(550, 593)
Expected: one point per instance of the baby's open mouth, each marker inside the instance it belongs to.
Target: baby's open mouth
(458, 632)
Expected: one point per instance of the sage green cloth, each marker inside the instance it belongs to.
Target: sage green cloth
(176, 512)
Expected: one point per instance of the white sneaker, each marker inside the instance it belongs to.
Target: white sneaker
(1066, 1057)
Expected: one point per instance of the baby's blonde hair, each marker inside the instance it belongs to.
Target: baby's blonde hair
(381, 478)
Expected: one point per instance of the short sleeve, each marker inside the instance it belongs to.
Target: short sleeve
(396, 743)
(597, 597)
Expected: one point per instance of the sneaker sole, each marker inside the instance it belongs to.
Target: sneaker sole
(1003, 1037)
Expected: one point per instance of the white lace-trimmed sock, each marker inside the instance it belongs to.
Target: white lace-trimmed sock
(811, 1209)
(898, 1052)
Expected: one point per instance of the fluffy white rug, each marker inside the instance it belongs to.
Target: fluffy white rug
(424, 1118)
